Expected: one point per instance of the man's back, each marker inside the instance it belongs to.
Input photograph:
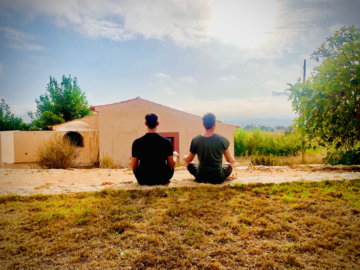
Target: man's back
(210, 151)
(152, 151)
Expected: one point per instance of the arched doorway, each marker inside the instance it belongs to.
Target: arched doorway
(75, 138)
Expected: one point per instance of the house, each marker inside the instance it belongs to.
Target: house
(111, 131)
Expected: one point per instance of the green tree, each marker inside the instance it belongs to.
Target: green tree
(61, 103)
(328, 104)
(7, 120)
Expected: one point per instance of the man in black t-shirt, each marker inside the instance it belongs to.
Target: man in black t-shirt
(210, 148)
(153, 159)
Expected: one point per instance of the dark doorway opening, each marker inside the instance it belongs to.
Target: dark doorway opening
(172, 141)
(75, 138)
(173, 137)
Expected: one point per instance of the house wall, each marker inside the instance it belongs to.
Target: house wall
(25, 144)
(91, 120)
(7, 146)
(120, 124)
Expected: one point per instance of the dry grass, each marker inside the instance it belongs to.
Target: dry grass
(57, 153)
(287, 226)
(310, 158)
(107, 162)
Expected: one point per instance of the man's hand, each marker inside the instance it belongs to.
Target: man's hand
(188, 158)
(229, 158)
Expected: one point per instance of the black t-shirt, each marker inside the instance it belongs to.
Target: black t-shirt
(210, 151)
(152, 151)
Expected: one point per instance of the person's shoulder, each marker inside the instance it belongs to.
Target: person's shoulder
(163, 138)
(219, 136)
(198, 137)
(139, 139)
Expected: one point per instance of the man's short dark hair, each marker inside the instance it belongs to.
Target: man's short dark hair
(151, 120)
(209, 120)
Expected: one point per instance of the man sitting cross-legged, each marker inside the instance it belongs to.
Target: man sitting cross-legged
(210, 148)
(153, 159)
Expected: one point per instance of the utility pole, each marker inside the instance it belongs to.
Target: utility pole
(303, 141)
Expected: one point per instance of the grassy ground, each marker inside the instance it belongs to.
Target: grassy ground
(312, 225)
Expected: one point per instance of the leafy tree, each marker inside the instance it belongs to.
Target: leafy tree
(7, 120)
(61, 103)
(45, 120)
(328, 104)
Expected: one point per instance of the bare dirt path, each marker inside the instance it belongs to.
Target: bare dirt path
(28, 182)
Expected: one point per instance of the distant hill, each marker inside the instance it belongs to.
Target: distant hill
(266, 122)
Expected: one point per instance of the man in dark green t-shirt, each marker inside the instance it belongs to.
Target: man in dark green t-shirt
(210, 148)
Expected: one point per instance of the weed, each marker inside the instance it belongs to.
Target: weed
(181, 222)
(274, 189)
(289, 197)
(305, 194)
(238, 185)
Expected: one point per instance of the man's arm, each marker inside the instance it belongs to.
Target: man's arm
(229, 158)
(188, 158)
(133, 163)
(172, 160)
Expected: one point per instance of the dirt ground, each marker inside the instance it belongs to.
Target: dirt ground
(36, 181)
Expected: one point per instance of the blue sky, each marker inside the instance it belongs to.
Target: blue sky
(222, 56)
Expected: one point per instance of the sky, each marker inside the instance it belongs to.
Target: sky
(231, 57)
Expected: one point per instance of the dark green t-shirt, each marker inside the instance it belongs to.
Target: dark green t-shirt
(210, 151)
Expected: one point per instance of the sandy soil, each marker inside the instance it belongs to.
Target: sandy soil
(29, 182)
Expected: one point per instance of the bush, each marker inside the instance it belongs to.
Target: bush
(351, 157)
(57, 153)
(261, 143)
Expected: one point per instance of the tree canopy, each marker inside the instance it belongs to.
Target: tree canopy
(8, 121)
(328, 104)
(61, 103)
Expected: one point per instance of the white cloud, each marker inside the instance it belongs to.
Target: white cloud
(162, 76)
(26, 47)
(266, 107)
(13, 34)
(228, 78)
(188, 79)
(259, 28)
(336, 27)
(186, 22)
(19, 40)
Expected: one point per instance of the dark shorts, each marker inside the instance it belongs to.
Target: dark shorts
(227, 169)
(161, 178)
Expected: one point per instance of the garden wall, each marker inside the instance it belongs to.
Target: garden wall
(20, 146)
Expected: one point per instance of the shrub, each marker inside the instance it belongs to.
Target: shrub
(259, 142)
(107, 162)
(351, 157)
(57, 153)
